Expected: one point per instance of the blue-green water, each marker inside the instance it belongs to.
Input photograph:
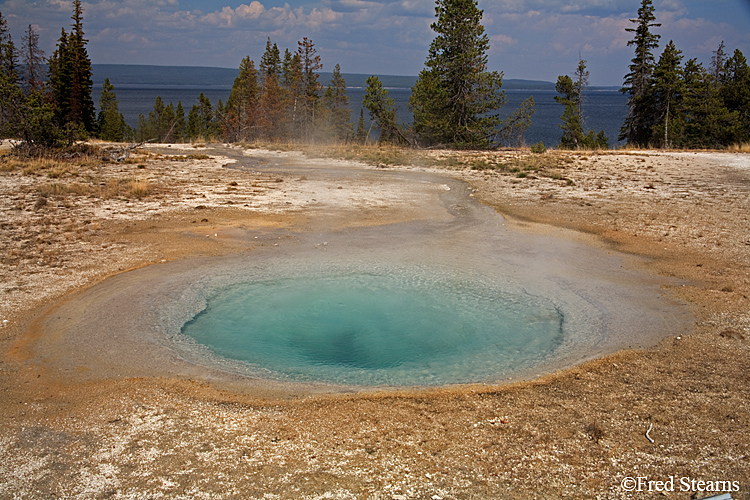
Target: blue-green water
(397, 328)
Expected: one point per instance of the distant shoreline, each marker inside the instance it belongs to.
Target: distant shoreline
(121, 75)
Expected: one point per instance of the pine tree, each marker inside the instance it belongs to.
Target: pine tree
(336, 103)
(455, 98)
(156, 120)
(310, 65)
(361, 135)
(110, 122)
(571, 96)
(201, 123)
(717, 63)
(179, 123)
(572, 137)
(167, 124)
(382, 110)
(241, 109)
(28, 117)
(36, 124)
(581, 82)
(639, 81)
(60, 76)
(292, 82)
(33, 60)
(272, 113)
(271, 107)
(668, 90)
(8, 54)
(10, 93)
(71, 78)
(735, 92)
(513, 128)
(708, 123)
(270, 62)
(81, 101)
(142, 132)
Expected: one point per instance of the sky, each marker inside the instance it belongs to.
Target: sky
(535, 39)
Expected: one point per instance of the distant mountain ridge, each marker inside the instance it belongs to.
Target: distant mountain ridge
(212, 77)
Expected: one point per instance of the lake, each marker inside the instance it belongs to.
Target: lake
(603, 109)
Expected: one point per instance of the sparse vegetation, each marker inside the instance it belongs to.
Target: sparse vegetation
(57, 189)
(81, 163)
(739, 148)
(550, 165)
(114, 188)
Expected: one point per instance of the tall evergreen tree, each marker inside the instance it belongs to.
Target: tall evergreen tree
(60, 76)
(735, 92)
(571, 96)
(361, 134)
(708, 123)
(270, 62)
(9, 90)
(241, 110)
(382, 109)
(168, 124)
(33, 60)
(717, 63)
(292, 82)
(110, 122)
(157, 120)
(271, 107)
(455, 98)
(71, 78)
(8, 54)
(179, 123)
(336, 103)
(201, 123)
(142, 132)
(272, 112)
(638, 82)
(310, 65)
(668, 90)
(580, 84)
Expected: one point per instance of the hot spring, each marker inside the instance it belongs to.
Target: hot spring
(392, 326)
(442, 293)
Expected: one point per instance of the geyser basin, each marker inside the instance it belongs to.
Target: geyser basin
(394, 326)
(450, 296)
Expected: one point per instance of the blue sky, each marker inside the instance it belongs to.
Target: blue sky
(536, 39)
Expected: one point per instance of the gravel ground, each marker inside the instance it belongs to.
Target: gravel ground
(677, 415)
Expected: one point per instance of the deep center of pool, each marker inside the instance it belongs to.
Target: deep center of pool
(373, 329)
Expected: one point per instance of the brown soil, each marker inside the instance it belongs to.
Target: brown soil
(678, 411)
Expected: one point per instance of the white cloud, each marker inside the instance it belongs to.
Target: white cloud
(501, 42)
(252, 11)
(230, 17)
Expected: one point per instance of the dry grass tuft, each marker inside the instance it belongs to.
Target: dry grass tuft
(57, 171)
(126, 188)
(739, 148)
(137, 188)
(55, 189)
(32, 166)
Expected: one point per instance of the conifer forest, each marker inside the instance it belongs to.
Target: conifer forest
(278, 97)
